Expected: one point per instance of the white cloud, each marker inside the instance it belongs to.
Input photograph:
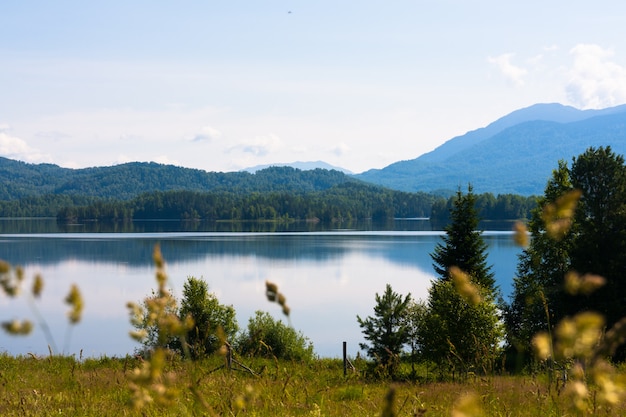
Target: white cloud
(595, 81)
(206, 134)
(260, 145)
(340, 149)
(535, 60)
(166, 160)
(510, 71)
(16, 148)
(52, 135)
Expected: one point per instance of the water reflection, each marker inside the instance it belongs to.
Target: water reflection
(50, 225)
(327, 277)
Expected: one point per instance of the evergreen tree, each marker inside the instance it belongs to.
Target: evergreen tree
(388, 331)
(459, 331)
(463, 245)
(537, 297)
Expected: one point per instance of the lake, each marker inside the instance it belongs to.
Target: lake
(329, 276)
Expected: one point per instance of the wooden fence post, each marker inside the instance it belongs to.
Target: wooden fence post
(345, 359)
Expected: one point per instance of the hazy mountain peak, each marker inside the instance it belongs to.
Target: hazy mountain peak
(514, 154)
(553, 112)
(304, 166)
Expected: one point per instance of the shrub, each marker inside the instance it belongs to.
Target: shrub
(270, 338)
(214, 323)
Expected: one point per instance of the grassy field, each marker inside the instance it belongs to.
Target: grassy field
(56, 385)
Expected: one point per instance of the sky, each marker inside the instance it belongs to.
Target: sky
(226, 85)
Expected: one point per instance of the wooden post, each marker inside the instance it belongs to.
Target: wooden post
(229, 357)
(345, 359)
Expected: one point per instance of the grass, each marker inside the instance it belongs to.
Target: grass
(59, 385)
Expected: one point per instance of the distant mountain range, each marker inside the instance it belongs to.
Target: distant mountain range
(515, 154)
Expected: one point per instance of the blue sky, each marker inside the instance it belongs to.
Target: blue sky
(224, 85)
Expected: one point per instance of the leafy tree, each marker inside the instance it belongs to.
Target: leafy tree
(214, 323)
(460, 334)
(154, 337)
(537, 289)
(460, 331)
(595, 244)
(388, 330)
(599, 245)
(415, 318)
(270, 338)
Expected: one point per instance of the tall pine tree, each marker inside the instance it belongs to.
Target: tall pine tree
(458, 331)
(463, 245)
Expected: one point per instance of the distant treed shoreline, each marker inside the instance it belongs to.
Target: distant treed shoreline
(342, 203)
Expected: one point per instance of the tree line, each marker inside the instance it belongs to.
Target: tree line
(342, 202)
(488, 206)
(348, 201)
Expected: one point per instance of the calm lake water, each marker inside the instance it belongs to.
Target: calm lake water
(328, 276)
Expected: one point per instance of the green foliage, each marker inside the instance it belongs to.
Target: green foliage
(461, 326)
(462, 245)
(267, 337)
(500, 207)
(213, 323)
(147, 329)
(599, 243)
(543, 264)
(387, 331)
(416, 312)
(154, 191)
(595, 244)
(126, 181)
(459, 335)
(211, 319)
(340, 202)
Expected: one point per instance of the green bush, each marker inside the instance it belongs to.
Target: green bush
(214, 323)
(271, 338)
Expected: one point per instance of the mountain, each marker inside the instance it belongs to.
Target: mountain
(125, 181)
(304, 166)
(515, 154)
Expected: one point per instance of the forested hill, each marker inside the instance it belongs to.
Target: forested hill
(126, 181)
(150, 190)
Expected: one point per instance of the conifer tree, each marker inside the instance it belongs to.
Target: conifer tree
(463, 245)
(537, 297)
(460, 330)
(387, 331)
